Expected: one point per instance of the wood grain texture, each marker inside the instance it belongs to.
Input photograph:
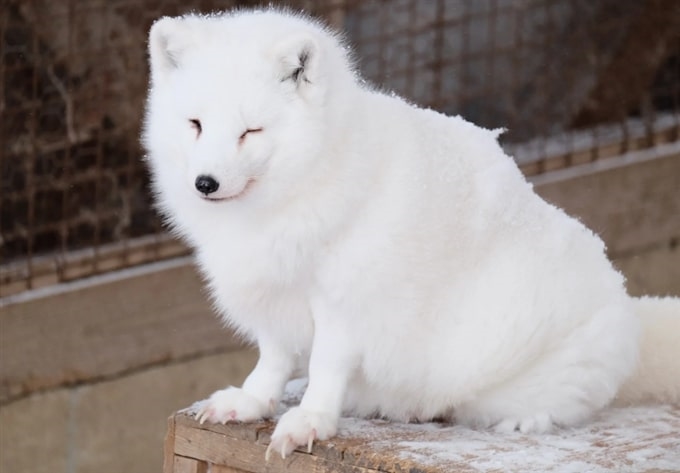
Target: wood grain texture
(642, 439)
(188, 465)
(231, 447)
(225, 469)
(169, 447)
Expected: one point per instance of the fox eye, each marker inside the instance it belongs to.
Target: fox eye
(242, 138)
(196, 125)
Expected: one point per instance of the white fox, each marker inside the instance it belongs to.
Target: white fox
(395, 254)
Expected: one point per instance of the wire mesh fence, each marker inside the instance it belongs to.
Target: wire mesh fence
(571, 80)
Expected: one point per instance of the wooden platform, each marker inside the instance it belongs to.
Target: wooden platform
(637, 439)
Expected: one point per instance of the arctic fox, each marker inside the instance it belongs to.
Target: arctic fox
(395, 254)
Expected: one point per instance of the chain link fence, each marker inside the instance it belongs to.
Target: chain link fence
(572, 81)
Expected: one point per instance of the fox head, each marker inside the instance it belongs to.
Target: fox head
(239, 104)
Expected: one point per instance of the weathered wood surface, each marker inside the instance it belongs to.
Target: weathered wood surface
(634, 439)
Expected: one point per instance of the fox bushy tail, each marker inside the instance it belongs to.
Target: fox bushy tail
(657, 376)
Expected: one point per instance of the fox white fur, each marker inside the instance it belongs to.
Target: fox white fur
(395, 254)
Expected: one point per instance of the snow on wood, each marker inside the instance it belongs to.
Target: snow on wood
(640, 439)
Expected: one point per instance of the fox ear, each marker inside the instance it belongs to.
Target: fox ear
(299, 61)
(168, 39)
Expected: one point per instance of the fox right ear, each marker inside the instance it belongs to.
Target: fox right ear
(299, 58)
(168, 39)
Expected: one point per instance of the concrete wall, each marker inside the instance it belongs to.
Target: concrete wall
(633, 203)
(112, 426)
(89, 371)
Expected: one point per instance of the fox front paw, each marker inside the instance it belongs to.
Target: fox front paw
(232, 405)
(300, 427)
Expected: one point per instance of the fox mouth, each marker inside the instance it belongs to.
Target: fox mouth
(236, 196)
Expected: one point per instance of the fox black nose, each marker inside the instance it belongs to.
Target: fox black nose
(206, 184)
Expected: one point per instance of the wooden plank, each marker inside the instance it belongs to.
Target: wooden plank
(169, 447)
(220, 449)
(94, 330)
(640, 439)
(243, 446)
(189, 465)
(225, 469)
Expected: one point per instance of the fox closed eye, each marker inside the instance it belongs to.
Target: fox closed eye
(242, 138)
(196, 125)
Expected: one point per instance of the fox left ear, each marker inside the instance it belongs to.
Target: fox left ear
(169, 38)
(299, 60)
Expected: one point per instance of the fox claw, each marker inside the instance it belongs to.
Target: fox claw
(300, 428)
(310, 440)
(230, 405)
(284, 447)
(203, 414)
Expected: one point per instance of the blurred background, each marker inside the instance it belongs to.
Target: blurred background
(104, 328)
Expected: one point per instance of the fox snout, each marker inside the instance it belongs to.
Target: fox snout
(206, 184)
(228, 189)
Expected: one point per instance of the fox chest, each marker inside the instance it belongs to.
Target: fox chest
(261, 288)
